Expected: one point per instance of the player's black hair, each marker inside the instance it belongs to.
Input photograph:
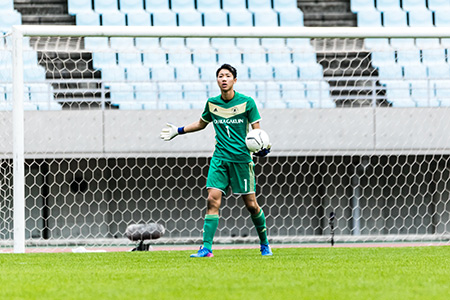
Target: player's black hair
(227, 67)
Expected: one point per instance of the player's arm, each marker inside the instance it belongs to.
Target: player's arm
(171, 131)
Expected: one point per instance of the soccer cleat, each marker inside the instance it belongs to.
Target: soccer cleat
(203, 252)
(265, 250)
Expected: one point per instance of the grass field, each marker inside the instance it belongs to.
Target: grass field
(292, 273)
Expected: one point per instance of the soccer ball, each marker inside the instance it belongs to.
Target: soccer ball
(256, 140)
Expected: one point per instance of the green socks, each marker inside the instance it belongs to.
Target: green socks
(260, 223)
(209, 229)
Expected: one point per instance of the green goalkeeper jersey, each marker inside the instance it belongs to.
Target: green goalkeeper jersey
(231, 122)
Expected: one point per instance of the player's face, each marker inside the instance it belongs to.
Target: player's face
(225, 80)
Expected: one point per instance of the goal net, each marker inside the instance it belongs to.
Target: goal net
(359, 124)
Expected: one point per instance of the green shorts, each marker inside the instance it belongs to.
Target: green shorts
(239, 176)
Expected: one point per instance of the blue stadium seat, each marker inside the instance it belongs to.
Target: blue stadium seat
(269, 91)
(286, 72)
(442, 91)
(230, 55)
(196, 91)
(402, 43)
(390, 72)
(220, 43)
(40, 92)
(215, 18)
(420, 18)
(113, 73)
(129, 59)
(146, 91)
(234, 5)
(103, 59)
(189, 18)
(291, 18)
(420, 89)
(8, 19)
(242, 70)
(369, 18)
(138, 19)
(361, 5)
(255, 5)
(6, 5)
(131, 6)
(114, 18)
(284, 5)
(317, 91)
(247, 43)
(146, 43)
(124, 43)
(240, 18)
(292, 90)
(164, 18)
(170, 91)
(304, 58)
(162, 73)
(180, 56)
(137, 73)
(294, 43)
(88, 19)
(410, 5)
(395, 18)
(246, 88)
(197, 43)
(187, 73)
(415, 71)
(96, 43)
(172, 43)
(261, 72)
(435, 5)
(387, 5)
(208, 72)
(383, 58)
(103, 6)
(204, 56)
(313, 72)
(279, 56)
(408, 57)
(375, 44)
(182, 5)
(208, 5)
(78, 6)
(439, 71)
(442, 18)
(156, 5)
(268, 18)
(254, 56)
(121, 92)
(433, 56)
(154, 57)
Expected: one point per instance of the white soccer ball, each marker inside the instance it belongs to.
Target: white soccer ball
(256, 140)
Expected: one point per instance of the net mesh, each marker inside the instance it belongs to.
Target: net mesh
(355, 132)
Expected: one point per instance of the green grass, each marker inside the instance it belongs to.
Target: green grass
(295, 273)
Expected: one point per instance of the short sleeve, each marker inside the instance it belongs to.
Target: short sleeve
(206, 115)
(252, 111)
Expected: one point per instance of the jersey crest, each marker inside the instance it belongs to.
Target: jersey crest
(227, 112)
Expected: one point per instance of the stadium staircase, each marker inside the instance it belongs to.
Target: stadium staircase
(335, 13)
(64, 66)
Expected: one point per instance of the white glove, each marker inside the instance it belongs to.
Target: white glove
(169, 132)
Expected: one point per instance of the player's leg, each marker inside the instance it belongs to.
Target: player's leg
(217, 184)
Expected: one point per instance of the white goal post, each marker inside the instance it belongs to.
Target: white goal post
(371, 147)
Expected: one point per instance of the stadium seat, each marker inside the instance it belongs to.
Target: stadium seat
(208, 72)
(291, 18)
(88, 19)
(242, 71)
(433, 56)
(164, 18)
(9, 19)
(215, 18)
(387, 5)
(138, 18)
(304, 58)
(390, 71)
(284, 5)
(316, 91)
(162, 73)
(121, 92)
(131, 6)
(96, 43)
(189, 18)
(129, 59)
(439, 70)
(436, 5)
(301, 43)
(313, 71)
(246, 88)
(408, 57)
(113, 73)
(269, 91)
(410, 5)
(195, 91)
(182, 5)
(442, 18)
(156, 5)
(170, 91)
(114, 18)
(254, 56)
(34, 73)
(103, 59)
(255, 5)
(278, 56)
(204, 56)
(179, 56)
(267, 18)
(240, 18)
(442, 90)
(397, 18)
(103, 6)
(361, 5)
(146, 91)
(285, 72)
(230, 55)
(383, 58)
(420, 18)
(292, 90)
(369, 18)
(40, 92)
(187, 73)
(261, 72)
(208, 5)
(154, 57)
(198, 43)
(223, 43)
(172, 43)
(234, 5)
(415, 71)
(147, 43)
(377, 44)
(402, 43)
(247, 44)
(137, 73)
(77, 6)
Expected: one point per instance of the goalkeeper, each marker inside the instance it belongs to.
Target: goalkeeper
(231, 164)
